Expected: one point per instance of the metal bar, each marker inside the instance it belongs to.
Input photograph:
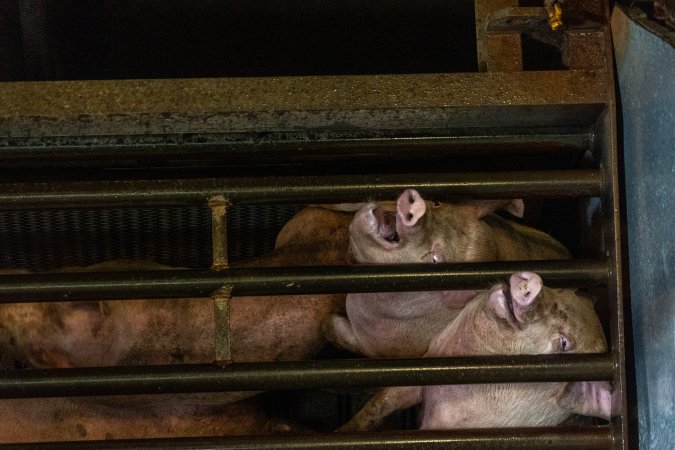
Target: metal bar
(221, 313)
(558, 438)
(292, 280)
(218, 205)
(113, 151)
(310, 189)
(290, 375)
(221, 298)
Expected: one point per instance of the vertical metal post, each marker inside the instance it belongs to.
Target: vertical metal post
(221, 298)
(219, 205)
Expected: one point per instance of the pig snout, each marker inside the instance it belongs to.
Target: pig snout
(524, 287)
(410, 208)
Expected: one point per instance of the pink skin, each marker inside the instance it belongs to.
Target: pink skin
(418, 231)
(523, 317)
(75, 419)
(140, 332)
(144, 332)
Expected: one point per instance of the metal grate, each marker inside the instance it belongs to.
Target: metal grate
(39, 240)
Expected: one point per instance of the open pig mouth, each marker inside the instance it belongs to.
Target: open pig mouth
(511, 317)
(386, 225)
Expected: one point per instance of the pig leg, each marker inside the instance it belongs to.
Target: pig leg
(588, 398)
(339, 332)
(385, 402)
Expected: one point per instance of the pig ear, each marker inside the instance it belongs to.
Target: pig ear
(484, 207)
(588, 398)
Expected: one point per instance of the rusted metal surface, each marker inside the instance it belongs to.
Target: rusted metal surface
(218, 205)
(221, 297)
(593, 438)
(483, 8)
(132, 107)
(504, 52)
(221, 313)
(586, 49)
(292, 280)
(291, 375)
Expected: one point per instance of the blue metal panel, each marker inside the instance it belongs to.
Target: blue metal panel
(646, 76)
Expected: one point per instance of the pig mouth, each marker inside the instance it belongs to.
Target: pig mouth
(505, 309)
(510, 313)
(386, 226)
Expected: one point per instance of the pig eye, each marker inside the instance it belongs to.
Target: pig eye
(437, 204)
(564, 343)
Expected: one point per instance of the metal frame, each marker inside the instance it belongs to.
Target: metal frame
(71, 120)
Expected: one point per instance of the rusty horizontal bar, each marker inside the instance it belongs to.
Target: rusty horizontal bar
(303, 189)
(550, 438)
(290, 375)
(293, 280)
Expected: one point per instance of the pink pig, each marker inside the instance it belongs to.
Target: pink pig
(417, 231)
(522, 317)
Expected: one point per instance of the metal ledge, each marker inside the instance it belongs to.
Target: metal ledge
(551, 438)
(306, 189)
(290, 375)
(292, 280)
(174, 106)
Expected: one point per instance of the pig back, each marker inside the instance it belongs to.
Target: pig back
(65, 419)
(519, 242)
(287, 327)
(169, 331)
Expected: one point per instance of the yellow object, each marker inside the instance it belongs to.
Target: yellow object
(555, 16)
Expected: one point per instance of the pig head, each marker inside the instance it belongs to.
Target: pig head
(413, 230)
(519, 317)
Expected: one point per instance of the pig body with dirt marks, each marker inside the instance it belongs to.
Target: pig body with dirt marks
(96, 418)
(521, 317)
(417, 231)
(140, 332)
(146, 332)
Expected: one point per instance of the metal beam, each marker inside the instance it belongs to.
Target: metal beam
(290, 375)
(558, 438)
(305, 189)
(292, 280)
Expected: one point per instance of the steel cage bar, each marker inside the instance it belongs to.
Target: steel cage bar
(306, 189)
(290, 375)
(292, 280)
(561, 438)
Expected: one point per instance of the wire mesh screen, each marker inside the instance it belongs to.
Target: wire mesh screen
(181, 237)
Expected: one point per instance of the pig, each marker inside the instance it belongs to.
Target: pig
(521, 317)
(79, 419)
(140, 332)
(147, 332)
(414, 231)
